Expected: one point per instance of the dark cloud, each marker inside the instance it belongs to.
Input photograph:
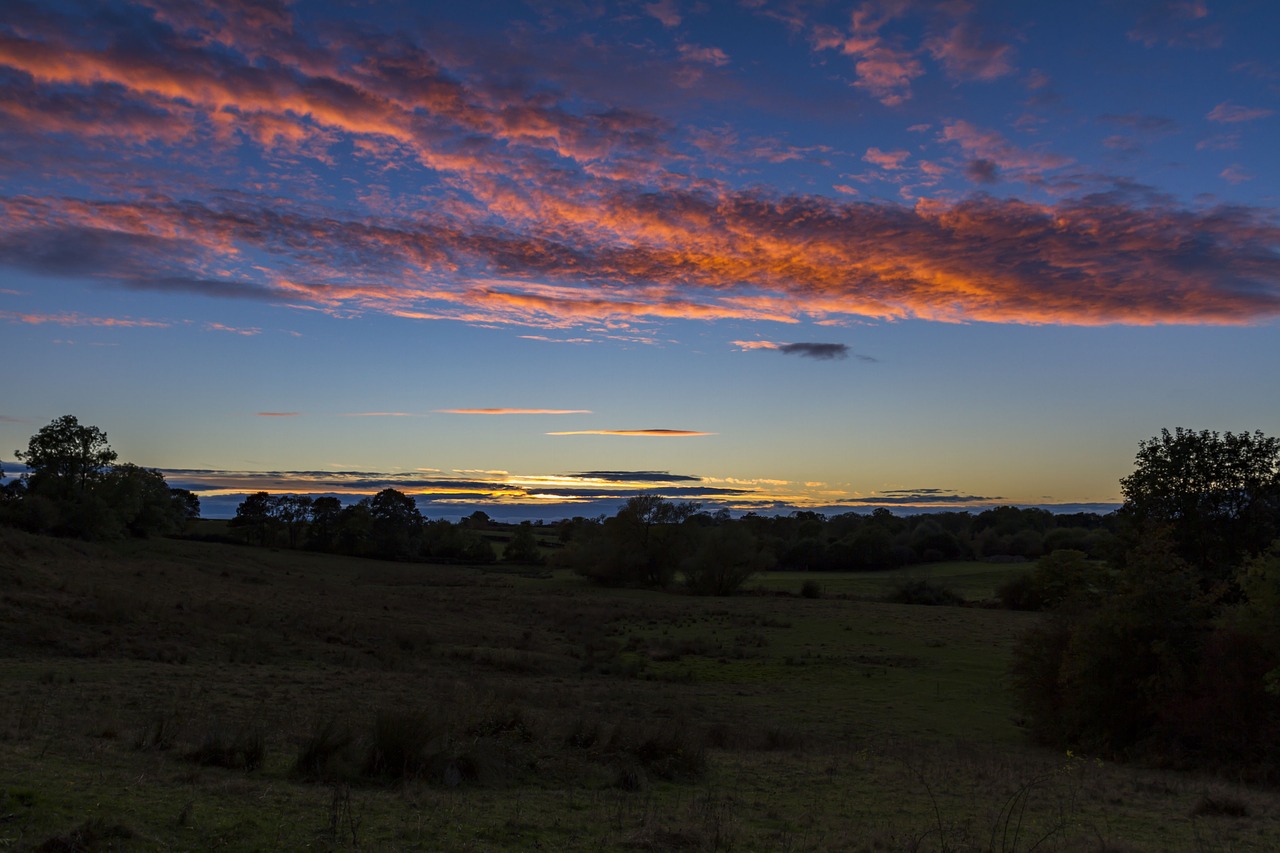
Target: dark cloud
(982, 171)
(921, 496)
(822, 352)
(636, 477)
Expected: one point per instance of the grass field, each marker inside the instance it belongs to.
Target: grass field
(975, 581)
(157, 695)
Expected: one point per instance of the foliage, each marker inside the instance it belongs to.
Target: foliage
(1218, 493)
(1060, 578)
(74, 488)
(65, 457)
(726, 558)
(523, 547)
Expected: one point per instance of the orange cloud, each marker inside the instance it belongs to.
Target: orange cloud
(649, 433)
(278, 414)
(550, 216)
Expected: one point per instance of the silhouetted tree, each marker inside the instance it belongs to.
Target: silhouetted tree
(322, 531)
(256, 515)
(395, 524)
(727, 556)
(66, 457)
(523, 547)
(1218, 493)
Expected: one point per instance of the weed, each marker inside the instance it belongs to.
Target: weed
(243, 751)
(1220, 805)
(89, 837)
(326, 755)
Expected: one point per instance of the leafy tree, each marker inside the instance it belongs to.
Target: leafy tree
(726, 558)
(256, 514)
(65, 457)
(1218, 493)
(395, 524)
(292, 511)
(322, 531)
(141, 502)
(188, 503)
(523, 547)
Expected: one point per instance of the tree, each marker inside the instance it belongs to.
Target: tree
(188, 503)
(1219, 494)
(65, 457)
(293, 511)
(140, 501)
(523, 547)
(256, 514)
(727, 557)
(322, 532)
(395, 523)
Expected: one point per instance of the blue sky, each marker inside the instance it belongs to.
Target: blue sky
(533, 257)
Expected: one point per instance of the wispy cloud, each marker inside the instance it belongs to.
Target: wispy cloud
(74, 319)
(647, 433)
(511, 411)
(920, 497)
(278, 414)
(379, 415)
(221, 327)
(1227, 113)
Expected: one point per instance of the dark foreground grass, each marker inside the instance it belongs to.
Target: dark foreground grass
(182, 696)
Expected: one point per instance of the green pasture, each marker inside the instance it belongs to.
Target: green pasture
(835, 723)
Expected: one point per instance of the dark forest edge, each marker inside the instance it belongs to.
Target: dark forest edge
(1162, 636)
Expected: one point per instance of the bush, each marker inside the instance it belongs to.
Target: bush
(326, 756)
(924, 592)
(811, 589)
(244, 751)
(1020, 592)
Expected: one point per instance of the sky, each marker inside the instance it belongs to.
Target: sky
(535, 257)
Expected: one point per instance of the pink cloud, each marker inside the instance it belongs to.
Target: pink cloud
(886, 159)
(1227, 113)
(706, 55)
(1235, 174)
(666, 12)
(966, 55)
(989, 145)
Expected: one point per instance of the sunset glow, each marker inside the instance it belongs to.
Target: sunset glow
(853, 248)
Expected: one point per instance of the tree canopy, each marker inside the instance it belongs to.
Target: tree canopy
(74, 487)
(1218, 493)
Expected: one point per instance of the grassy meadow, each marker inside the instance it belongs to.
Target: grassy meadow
(183, 695)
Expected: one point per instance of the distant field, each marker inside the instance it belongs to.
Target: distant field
(560, 716)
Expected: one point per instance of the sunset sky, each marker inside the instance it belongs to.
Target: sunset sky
(532, 257)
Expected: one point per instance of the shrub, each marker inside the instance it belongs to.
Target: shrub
(811, 589)
(924, 592)
(245, 751)
(326, 756)
(1020, 592)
